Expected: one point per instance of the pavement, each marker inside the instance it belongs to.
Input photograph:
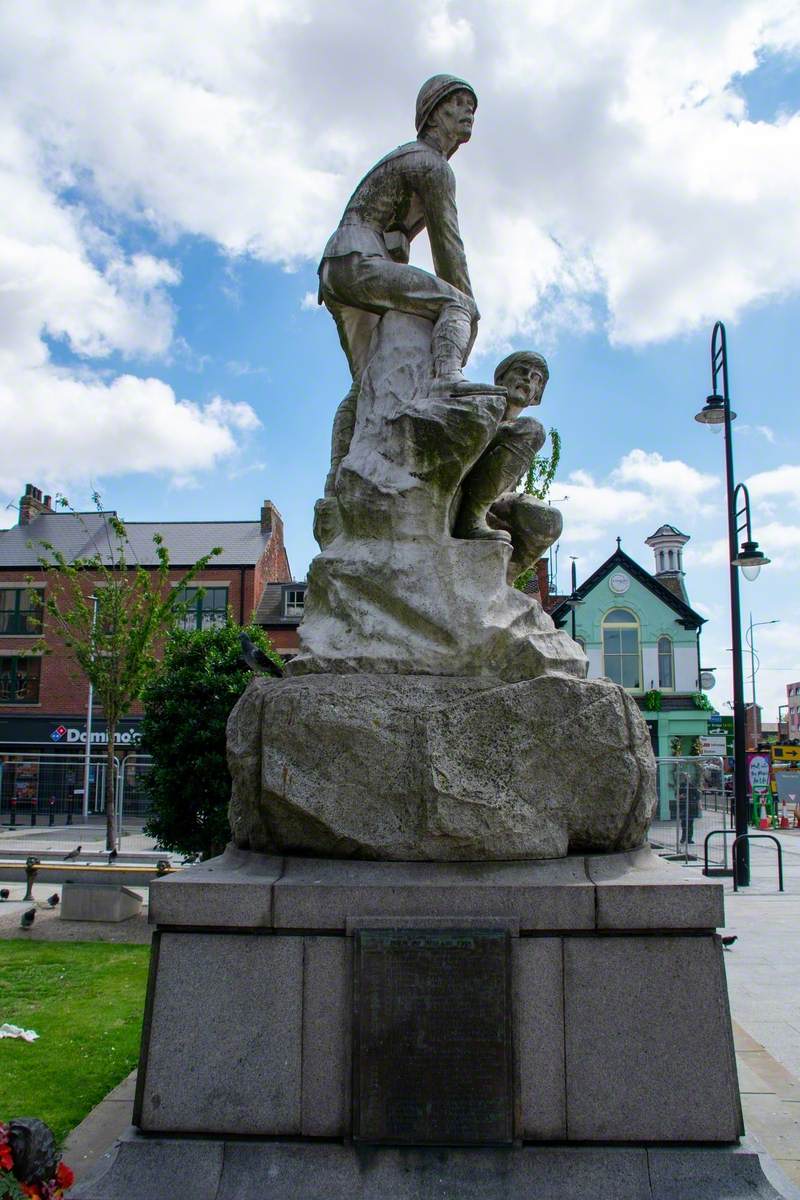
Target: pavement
(763, 970)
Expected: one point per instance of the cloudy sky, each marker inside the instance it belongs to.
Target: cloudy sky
(169, 174)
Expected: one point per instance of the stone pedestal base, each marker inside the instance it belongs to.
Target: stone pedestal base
(150, 1168)
(616, 1021)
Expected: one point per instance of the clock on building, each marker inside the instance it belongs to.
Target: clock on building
(619, 582)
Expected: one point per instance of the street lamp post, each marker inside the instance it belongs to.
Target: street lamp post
(87, 757)
(751, 644)
(717, 411)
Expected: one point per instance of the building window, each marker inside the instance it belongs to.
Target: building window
(294, 602)
(207, 607)
(666, 669)
(19, 679)
(621, 657)
(21, 611)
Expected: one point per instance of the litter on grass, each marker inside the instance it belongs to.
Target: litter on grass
(14, 1031)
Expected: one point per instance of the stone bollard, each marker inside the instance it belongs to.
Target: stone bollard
(31, 871)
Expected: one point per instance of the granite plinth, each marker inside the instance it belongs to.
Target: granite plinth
(140, 1168)
(635, 891)
(592, 975)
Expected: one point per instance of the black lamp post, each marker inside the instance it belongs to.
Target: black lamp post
(717, 411)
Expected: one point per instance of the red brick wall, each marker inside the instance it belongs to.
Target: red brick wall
(285, 638)
(63, 689)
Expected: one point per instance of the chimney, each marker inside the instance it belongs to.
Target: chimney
(271, 520)
(32, 504)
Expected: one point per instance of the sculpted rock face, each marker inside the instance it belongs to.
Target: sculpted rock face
(420, 767)
(393, 590)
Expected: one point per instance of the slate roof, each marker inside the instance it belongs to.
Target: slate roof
(686, 615)
(668, 530)
(82, 535)
(270, 606)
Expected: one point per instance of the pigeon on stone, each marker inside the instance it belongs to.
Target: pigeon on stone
(112, 857)
(27, 918)
(727, 942)
(4, 893)
(256, 659)
(73, 854)
(53, 901)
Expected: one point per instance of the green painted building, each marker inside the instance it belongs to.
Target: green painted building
(639, 629)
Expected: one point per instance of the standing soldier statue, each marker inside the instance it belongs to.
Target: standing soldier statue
(365, 272)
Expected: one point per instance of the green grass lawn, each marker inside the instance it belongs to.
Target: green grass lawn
(85, 1000)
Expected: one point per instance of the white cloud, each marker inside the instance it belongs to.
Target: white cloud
(60, 429)
(781, 483)
(602, 136)
(592, 183)
(643, 486)
(671, 479)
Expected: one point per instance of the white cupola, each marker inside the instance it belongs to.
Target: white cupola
(667, 543)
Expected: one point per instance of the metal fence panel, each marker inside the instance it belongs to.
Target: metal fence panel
(41, 802)
(698, 801)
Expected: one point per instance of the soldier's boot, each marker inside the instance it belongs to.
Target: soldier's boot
(490, 476)
(451, 339)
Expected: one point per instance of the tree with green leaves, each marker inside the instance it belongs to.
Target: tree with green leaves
(112, 615)
(538, 481)
(187, 702)
(542, 470)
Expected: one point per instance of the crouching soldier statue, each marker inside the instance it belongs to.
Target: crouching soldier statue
(490, 506)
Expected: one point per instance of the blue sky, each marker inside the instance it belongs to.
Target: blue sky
(632, 177)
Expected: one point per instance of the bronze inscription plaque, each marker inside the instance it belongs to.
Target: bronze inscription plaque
(432, 1059)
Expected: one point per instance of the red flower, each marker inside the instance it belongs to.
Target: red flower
(6, 1157)
(65, 1177)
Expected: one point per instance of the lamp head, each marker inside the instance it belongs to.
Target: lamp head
(751, 560)
(713, 413)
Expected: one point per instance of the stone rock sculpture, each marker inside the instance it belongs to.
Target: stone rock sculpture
(432, 710)
(420, 767)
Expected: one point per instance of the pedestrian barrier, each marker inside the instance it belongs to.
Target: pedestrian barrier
(749, 837)
(42, 801)
(693, 801)
(725, 869)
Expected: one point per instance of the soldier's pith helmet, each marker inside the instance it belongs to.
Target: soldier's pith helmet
(435, 90)
(526, 356)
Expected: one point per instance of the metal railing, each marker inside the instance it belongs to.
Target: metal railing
(694, 801)
(41, 802)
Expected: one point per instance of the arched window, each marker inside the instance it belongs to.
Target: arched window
(666, 668)
(621, 657)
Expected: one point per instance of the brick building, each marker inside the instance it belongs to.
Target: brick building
(43, 701)
(793, 710)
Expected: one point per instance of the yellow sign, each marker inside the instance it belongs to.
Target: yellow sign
(786, 753)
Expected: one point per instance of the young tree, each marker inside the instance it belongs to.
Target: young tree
(542, 470)
(540, 476)
(112, 615)
(187, 702)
